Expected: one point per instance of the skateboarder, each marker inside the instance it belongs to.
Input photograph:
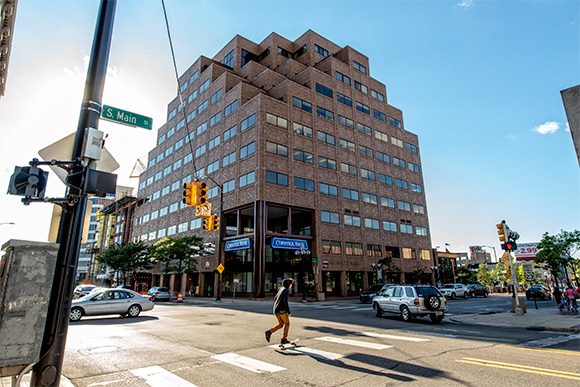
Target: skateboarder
(282, 311)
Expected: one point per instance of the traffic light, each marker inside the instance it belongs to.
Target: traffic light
(215, 223)
(207, 223)
(511, 246)
(502, 231)
(189, 194)
(201, 196)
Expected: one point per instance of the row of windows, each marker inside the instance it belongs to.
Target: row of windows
(355, 221)
(353, 248)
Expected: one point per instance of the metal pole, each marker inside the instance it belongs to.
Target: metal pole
(303, 281)
(219, 247)
(48, 370)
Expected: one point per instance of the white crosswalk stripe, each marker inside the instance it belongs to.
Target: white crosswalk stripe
(248, 363)
(357, 343)
(394, 337)
(313, 352)
(156, 376)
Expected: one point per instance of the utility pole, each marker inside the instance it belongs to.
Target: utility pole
(48, 370)
(219, 246)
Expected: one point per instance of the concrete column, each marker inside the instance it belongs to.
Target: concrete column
(342, 284)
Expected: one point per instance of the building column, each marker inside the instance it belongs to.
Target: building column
(259, 283)
(343, 290)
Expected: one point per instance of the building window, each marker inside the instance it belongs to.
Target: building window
(343, 78)
(195, 224)
(364, 129)
(403, 206)
(401, 184)
(173, 207)
(187, 158)
(412, 148)
(248, 122)
(158, 176)
(203, 106)
(359, 67)
(179, 144)
(363, 108)
(347, 168)
(216, 96)
(406, 229)
(414, 167)
(152, 235)
(171, 114)
(381, 116)
(417, 209)
(229, 59)
(213, 167)
(421, 231)
(416, 188)
(215, 119)
(213, 142)
(390, 226)
(351, 220)
(324, 90)
(302, 130)
(199, 151)
(320, 50)
(346, 122)
(397, 142)
(325, 162)
(328, 189)
(163, 211)
(229, 186)
(352, 248)
(172, 130)
(277, 178)
(344, 99)
(193, 77)
(377, 95)
(366, 174)
(369, 198)
(399, 163)
(361, 87)
(231, 108)
(381, 136)
(165, 191)
(231, 132)
(329, 217)
(177, 165)
(248, 178)
(368, 152)
(204, 86)
(229, 159)
(385, 158)
(374, 250)
(303, 156)
(169, 151)
(192, 96)
(327, 138)
(248, 150)
(395, 122)
(345, 144)
(387, 202)
(324, 113)
(201, 128)
(161, 139)
(277, 149)
(385, 179)
(182, 227)
(276, 121)
(372, 223)
(349, 194)
(305, 184)
(331, 247)
(301, 104)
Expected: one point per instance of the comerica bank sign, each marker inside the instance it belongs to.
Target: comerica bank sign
(292, 244)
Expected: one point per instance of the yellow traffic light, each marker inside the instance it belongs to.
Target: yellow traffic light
(207, 223)
(189, 194)
(215, 223)
(201, 196)
(501, 231)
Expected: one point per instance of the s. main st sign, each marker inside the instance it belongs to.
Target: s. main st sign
(125, 117)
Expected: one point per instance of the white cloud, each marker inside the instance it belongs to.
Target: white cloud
(465, 4)
(547, 128)
(567, 127)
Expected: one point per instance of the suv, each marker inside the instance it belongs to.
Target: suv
(410, 301)
(159, 293)
(454, 290)
(371, 292)
(475, 290)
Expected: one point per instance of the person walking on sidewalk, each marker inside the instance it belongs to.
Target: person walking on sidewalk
(282, 311)
(571, 298)
(558, 296)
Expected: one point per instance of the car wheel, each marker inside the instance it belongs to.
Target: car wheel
(435, 318)
(134, 311)
(453, 296)
(465, 295)
(378, 310)
(76, 314)
(406, 314)
(432, 302)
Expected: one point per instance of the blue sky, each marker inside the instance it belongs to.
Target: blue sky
(478, 81)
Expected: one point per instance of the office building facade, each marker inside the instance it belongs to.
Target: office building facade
(320, 179)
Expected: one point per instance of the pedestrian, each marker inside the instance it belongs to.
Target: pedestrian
(282, 311)
(571, 298)
(558, 297)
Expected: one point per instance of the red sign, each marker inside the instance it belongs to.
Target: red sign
(526, 251)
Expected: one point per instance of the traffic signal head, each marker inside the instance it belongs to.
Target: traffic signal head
(511, 246)
(201, 193)
(189, 194)
(501, 231)
(215, 223)
(207, 223)
(28, 181)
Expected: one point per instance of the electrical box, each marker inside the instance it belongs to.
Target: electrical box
(26, 274)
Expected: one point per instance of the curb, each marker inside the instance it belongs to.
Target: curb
(533, 328)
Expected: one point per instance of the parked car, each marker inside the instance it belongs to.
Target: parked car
(82, 290)
(475, 290)
(454, 290)
(373, 290)
(159, 293)
(410, 301)
(538, 291)
(125, 287)
(110, 301)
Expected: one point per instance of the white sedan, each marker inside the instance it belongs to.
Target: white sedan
(110, 301)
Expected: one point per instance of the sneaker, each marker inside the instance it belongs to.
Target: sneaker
(284, 341)
(268, 335)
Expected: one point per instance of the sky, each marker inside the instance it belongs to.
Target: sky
(478, 81)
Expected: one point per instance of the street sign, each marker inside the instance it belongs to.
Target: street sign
(314, 259)
(505, 258)
(220, 268)
(126, 118)
(203, 211)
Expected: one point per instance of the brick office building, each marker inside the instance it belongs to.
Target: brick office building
(308, 152)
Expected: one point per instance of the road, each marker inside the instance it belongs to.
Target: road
(341, 344)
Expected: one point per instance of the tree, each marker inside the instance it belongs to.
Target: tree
(484, 275)
(392, 272)
(570, 242)
(177, 255)
(466, 276)
(126, 258)
(552, 254)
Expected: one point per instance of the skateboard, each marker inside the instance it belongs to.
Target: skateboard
(290, 344)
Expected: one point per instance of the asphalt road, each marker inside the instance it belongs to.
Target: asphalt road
(341, 344)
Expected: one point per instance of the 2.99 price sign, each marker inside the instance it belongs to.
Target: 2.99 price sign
(526, 250)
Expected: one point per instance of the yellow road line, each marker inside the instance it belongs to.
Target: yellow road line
(560, 351)
(522, 368)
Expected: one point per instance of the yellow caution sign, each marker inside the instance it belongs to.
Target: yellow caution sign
(220, 268)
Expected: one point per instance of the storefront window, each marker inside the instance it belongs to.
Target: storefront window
(247, 220)
(277, 220)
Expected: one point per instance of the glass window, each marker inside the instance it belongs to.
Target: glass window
(193, 77)
(215, 119)
(203, 106)
(348, 145)
(374, 250)
(401, 184)
(346, 122)
(359, 86)
(247, 150)
(201, 128)
(303, 130)
(344, 99)
(325, 162)
(328, 189)
(351, 248)
(216, 96)
(359, 67)
(277, 149)
(329, 217)
(276, 121)
(369, 198)
(385, 179)
(213, 142)
(349, 194)
(320, 50)
(387, 202)
(229, 59)
(331, 247)
(204, 86)
(324, 113)
(231, 108)
(351, 220)
(389, 226)
(277, 221)
(343, 78)
(380, 115)
(231, 132)
(305, 184)
(229, 159)
(395, 122)
(303, 156)
(277, 178)
(364, 129)
(368, 152)
(412, 148)
(399, 163)
(327, 138)
(248, 178)
(363, 108)
(301, 104)
(248, 122)
(385, 158)
(372, 223)
(324, 90)
(247, 220)
(347, 168)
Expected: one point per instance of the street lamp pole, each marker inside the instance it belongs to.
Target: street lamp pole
(494, 254)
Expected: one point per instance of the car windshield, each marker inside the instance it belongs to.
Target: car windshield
(162, 289)
(470, 286)
(375, 288)
(424, 291)
(448, 286)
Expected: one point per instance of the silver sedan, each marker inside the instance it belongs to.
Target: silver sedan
(110, 301)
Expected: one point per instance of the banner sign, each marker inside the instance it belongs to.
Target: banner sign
(526, 251)
(238, 244)
(292, 244)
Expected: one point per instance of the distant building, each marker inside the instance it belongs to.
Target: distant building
(7, 20)
(307, 152)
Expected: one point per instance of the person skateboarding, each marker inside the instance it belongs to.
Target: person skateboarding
(282, 311)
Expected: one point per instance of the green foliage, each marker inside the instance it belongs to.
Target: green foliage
(559, 250)
(445, 271)
(466, 276)
(484, 275)
(126, 259)
(391, 272)
(177, 255)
